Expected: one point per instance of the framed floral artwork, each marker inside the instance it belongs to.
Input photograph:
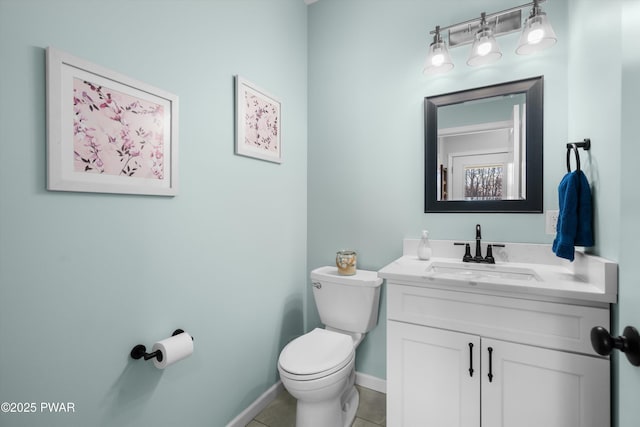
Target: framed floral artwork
(108, 133)
(258, 123)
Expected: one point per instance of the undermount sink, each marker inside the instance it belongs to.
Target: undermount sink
(471, 271)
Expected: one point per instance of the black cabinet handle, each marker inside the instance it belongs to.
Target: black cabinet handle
(471, 359)
(490, 350)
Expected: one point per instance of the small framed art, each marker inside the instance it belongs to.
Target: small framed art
(108, 133)
(258, 123)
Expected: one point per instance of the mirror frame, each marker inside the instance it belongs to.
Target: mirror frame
(533, 88)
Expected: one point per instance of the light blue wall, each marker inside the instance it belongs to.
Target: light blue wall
(85, 277)
(366, 132)
(628, 376)
(594, 110)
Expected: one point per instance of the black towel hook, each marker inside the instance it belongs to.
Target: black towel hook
(573, 146)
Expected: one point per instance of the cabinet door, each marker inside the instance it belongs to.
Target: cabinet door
(432, 377)
(534, 387)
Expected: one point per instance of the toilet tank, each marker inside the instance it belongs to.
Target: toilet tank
(348, 303)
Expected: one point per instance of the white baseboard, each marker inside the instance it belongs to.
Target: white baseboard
(369, 381)
(258, 405)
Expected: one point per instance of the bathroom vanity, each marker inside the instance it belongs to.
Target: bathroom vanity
(497, 345)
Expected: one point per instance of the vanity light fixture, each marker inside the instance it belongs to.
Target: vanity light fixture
(537, 34)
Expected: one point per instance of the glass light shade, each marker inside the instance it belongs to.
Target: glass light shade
(485, 49)
(438, 60)
(537, 34)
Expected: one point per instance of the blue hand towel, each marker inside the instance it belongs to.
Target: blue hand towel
(574, 226)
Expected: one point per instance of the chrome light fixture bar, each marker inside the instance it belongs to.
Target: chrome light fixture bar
(537, 34)
(504, 22)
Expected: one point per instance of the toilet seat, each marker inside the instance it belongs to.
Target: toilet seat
(316, 354)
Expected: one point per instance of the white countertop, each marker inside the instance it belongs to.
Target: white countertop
(589, 280)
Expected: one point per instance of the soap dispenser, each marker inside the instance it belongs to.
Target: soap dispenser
(424, 247)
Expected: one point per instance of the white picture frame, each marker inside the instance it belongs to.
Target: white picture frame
(108, 133)
(258, 122)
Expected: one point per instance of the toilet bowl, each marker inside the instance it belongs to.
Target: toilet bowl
(318, 368)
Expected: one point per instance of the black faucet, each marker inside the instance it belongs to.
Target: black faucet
(478, 257)
(489, 259)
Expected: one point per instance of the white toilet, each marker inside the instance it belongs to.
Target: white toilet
(318, 368)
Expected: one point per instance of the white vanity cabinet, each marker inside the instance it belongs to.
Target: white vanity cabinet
(462, 359)
(428, 382)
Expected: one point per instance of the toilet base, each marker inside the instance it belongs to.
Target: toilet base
(339, 412)
(350, 407)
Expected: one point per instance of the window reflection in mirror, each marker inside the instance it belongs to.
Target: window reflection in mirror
(483, 149)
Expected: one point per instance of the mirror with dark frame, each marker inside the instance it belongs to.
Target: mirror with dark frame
(483, 149)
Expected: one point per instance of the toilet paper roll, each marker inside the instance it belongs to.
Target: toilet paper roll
(173, 349)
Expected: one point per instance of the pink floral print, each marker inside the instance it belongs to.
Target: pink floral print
(115, 133)
(261, 123)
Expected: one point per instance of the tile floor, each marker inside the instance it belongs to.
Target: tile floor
(372, 411)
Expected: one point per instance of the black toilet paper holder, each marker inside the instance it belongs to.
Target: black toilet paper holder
(140, 351)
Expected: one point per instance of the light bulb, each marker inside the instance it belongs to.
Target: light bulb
(437, 59)
(484, 48)
(535, 36)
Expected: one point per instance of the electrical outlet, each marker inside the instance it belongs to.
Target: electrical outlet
(551, 221)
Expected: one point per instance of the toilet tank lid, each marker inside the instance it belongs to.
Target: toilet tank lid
(361, 278)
